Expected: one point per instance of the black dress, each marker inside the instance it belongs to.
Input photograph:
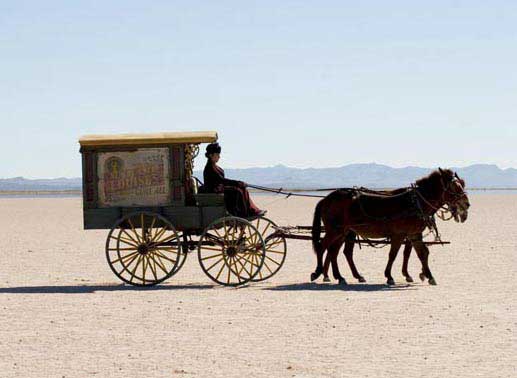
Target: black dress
(236, 196)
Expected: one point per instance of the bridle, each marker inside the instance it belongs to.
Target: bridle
(444, 212)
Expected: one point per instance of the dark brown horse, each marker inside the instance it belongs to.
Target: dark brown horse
(400, 217)
(350, 241)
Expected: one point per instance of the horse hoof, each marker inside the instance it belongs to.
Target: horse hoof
(422, 277)
(409, 279)
(314, 276)
(342, 281)
(391, 282)
(432, 282)
(361, 280)
(326, 279)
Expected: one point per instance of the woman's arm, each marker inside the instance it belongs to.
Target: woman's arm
(215, 177)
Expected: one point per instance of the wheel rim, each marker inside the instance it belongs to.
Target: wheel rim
(231, 251)
(275, 247)
(143, 249)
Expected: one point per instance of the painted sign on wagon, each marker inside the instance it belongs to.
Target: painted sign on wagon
(136, 178)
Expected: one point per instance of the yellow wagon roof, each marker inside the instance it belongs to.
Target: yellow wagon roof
(194, 137)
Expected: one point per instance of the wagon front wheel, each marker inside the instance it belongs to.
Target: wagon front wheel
(275, 245)
(143, 249)
(231, 251)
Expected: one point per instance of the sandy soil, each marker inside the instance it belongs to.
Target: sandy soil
(63, 313)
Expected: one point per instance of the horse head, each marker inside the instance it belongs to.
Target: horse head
(454, 195)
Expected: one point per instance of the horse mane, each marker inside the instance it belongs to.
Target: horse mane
(432, 183)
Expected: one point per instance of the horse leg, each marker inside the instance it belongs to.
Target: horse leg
(349, 254)
(396, 243)
(334, 256)
(423, 254)
(319, 255)
(407, 252)
(331, 257)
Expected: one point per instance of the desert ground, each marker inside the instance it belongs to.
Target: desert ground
(64, 314)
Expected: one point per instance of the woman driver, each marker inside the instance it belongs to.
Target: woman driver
(236, 196)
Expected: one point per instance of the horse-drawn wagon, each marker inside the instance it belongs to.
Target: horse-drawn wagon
(141, 188)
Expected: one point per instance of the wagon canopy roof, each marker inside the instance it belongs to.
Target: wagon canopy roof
(149, 139)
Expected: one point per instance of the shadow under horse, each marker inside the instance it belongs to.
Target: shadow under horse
(401, 217)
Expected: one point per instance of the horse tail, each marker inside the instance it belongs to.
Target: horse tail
(316, 228)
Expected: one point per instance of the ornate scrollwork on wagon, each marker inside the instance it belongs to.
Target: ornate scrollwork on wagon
(191, 152)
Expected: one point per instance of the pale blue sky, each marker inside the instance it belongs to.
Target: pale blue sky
(302, 83)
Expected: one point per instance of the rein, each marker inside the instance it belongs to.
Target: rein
(288, 194)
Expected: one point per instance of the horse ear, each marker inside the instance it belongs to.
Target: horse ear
(441, 170)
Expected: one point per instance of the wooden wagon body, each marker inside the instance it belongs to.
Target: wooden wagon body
(147, 172)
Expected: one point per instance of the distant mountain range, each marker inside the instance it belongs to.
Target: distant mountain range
(370, 175)
(22, 184)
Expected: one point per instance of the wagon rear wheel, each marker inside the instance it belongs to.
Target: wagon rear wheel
(231, 251)
(143, 249)
(275, 245)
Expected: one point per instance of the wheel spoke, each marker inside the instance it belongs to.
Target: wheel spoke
(158, 252)
(122, 249)
(279, 252)
(153, 265)
(153, 270)
(269, 258)
(144, 267)
(215, 264)
(126, 266)
(160, 265)
(134, 230)
(168, 238)
(265, 229)
(268, 268)
(136, 266)
(254, 257)
(271, 245)
(126, 241)
(221, 270)
(243, 266)
(159, 234)
(237, 274)
(124, 257)
(211, 257)
(252, 236)
(129, 236)
(251, 262)
(152, 226)
(217, 232)
(229, 271)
